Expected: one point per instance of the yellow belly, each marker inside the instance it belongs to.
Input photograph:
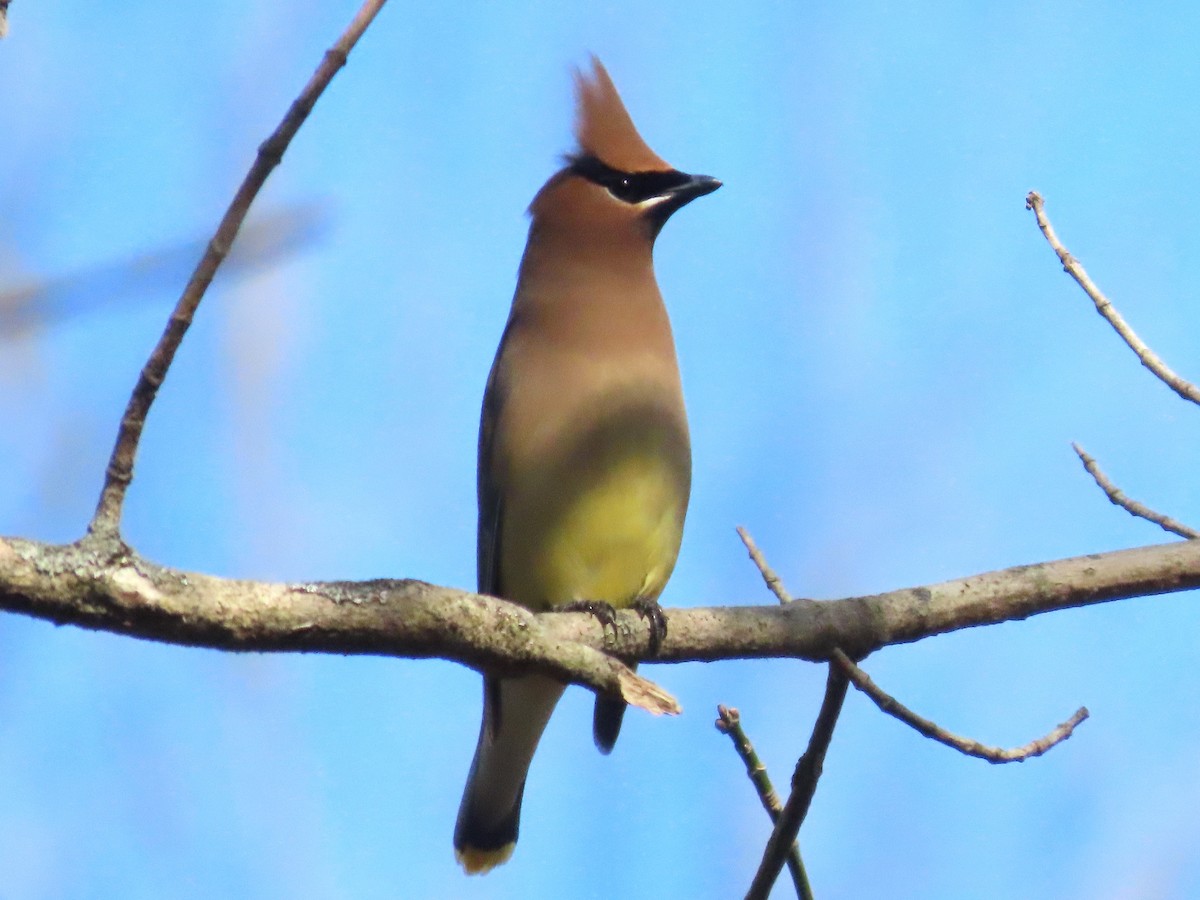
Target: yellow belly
(613, 535)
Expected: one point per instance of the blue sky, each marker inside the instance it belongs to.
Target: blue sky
(884, 367)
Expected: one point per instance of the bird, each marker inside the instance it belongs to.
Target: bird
(584, 468)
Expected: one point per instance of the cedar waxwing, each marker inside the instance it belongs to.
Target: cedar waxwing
(584, 458)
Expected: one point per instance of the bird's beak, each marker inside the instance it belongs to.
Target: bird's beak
(679, 195)
(695, 186)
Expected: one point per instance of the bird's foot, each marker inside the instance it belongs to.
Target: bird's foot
(653, 613)
(602, 611)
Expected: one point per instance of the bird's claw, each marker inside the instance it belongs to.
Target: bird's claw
(653, 613)
(602, 611)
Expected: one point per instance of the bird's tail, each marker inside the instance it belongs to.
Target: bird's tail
(606, 719)
(515, 712)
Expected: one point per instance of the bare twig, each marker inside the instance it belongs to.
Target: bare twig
(773, 581)
(1131, 506)
(1071, 265)
(106, 523)
(729, 722)
(893, 707)
(804, 786)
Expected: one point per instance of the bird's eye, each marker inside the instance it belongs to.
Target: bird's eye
(625, 188)
(628, 187)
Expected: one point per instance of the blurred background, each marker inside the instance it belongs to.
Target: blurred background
(884, 366)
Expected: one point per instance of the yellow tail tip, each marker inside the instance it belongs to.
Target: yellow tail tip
(479, 862)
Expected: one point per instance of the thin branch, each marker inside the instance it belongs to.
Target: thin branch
(1071, 265)
(1131, 506)
(804, 786)
(729, 721)
(893, 707)
(773, 581)
(84, 584)
(106, 523)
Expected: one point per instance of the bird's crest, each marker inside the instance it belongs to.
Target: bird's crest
(603, 127)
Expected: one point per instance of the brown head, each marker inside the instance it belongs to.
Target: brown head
(613, 184)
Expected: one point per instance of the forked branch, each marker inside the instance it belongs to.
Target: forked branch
(729, 722)
(804, 786)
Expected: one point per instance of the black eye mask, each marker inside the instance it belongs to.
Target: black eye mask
(629, 187)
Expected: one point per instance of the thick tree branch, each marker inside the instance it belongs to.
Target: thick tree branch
(81, 584)
(87, 585)
(90, 585)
